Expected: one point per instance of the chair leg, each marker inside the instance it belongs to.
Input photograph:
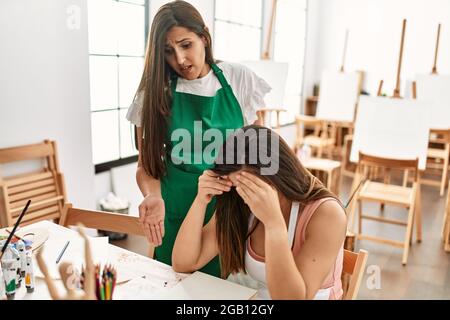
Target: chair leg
(418, 213)
(359, 217)
(405, 178)
(351, 206)
(445, 225)
(319, 152)
(351, 219)
(408, 234)
(444, 176)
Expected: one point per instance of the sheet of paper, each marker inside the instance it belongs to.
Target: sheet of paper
(138, 289)
(74, 253)
(133, 266)
(201, 286)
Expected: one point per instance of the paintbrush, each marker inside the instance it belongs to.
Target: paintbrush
(14, 229)
(354, 192)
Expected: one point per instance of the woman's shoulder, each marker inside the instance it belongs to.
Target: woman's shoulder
(234, 69)
(327, 213)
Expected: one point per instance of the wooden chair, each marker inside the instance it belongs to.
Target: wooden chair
(354, 267)
(108, 221)
(45, 187)
(387, 193)
(446, 231)
(348, 168)
(322, 139)
(266, 117)
(439, 155)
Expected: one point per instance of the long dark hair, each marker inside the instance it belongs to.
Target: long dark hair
(155, 80)
(232, 214)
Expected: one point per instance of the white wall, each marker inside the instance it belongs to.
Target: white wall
(44, 85)
(313, 24)
(374, 40)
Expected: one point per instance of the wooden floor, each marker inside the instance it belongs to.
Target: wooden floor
(427, 274)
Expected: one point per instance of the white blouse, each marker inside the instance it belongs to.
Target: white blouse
(248, 88)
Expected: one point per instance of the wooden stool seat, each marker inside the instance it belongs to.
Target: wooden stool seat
(386, 193)
(331, 168)
(318, 142)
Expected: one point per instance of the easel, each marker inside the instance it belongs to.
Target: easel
(434, 69)
(372, 155)
(399, 67)
(439, 135)
(337, 90)
(266, 113)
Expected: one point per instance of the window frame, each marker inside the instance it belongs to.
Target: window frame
(106, 166)
(302, 84)
(260, 28)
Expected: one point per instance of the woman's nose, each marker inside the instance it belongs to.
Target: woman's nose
(180, 57)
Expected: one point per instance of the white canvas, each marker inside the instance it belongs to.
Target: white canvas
(391, 128)
(275, 74)
(435, 91)
(338, 96)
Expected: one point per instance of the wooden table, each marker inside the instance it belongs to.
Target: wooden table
(148, 278)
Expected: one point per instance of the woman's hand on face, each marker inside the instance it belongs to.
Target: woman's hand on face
(151, 217)
(211, 184)
(261, 198)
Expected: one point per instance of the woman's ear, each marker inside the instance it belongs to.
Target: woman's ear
(205, 42)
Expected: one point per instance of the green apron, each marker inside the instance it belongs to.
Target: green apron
(179, 185)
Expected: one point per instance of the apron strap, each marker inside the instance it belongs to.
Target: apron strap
(173, 83)
(219, 74)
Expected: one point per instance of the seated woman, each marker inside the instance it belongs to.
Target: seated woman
(285, 229)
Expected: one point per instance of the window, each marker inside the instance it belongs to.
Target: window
(289, 46)
(117, 36)
(238, 30)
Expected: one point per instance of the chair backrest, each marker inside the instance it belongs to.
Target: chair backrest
(266, 115)
(108, 221)
(354, 265)
(44, 187)
(302, 121)
(367, 161)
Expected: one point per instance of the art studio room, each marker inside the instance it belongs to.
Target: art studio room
(224, 150)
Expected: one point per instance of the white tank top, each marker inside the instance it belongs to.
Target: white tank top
(257, 269)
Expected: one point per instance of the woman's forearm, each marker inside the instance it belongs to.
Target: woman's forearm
(284, 281)
(147, 184)
(188, 244)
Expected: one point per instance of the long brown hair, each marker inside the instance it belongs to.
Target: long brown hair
(232, 214)
(155, 80)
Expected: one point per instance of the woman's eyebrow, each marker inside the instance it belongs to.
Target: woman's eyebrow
(178, 41)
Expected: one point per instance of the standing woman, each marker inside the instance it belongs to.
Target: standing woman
(182, 87)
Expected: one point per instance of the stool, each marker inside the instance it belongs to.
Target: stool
(326, 170)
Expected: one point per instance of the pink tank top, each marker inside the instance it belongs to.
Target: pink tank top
(255, 265)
